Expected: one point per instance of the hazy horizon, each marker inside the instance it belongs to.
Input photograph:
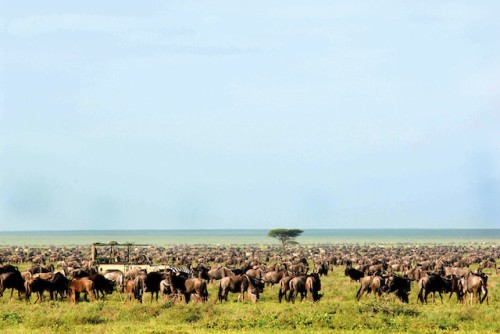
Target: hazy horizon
(216, 115)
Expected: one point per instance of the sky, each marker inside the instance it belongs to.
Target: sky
(260, 114)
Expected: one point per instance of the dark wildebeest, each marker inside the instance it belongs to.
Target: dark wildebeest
(79, 285)
(12, 280)
(59, 285)
(371, 284)
(475, 284)
(354, 274)
(102, 285)
(432, 284)
(239, 284)
(322, 269)
(8, 268)
(400, 286)
(37, 285)
(186, 286)
(148, 283)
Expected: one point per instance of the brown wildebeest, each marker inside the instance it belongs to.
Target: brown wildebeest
(297, 285)
(46, 276)
(371, 284)
(79, 285)
(256, 273)
(37, 285)
(284, 288)
(475, 284)
(238, 284)
(129, 290)
(313, 286)
(274, 277)
(187, 286)
(217, 273)
(491, 263)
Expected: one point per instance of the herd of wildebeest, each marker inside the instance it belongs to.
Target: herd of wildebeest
(183, 272)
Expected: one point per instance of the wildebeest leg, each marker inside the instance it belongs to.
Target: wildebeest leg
(359, 294)
(440, 296)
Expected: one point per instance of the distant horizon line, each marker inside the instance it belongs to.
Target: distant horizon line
(253, 229)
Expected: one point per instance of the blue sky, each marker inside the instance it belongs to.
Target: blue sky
(219, 114)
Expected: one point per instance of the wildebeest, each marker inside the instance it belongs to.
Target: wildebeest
(239, 284)
(37, 285)
(284, 288)
(147, 283)
(12, 280)
(354, 274)
(432, 284)
(187, 286)
(313, 286)
(79, 285)
(118, 279)
(217, 273)
(274, 277)
(475, 284)
(59, 285)
(399, 285)
(371, 284)
(102, 285)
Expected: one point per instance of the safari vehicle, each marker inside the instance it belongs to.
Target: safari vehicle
(114, 256)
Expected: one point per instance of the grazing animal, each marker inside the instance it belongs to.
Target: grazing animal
(79, 285)
(59, 286)
(239, 284)
(151, 284)
(12, 280)
(186, 286)
(284, 288)
(476, 285)
(217, 273)
(354, 274)
(313, 286)
(102, 285)
(431, 284)
(371, 284)
(400, 286)
(37, 285)
(118, 279)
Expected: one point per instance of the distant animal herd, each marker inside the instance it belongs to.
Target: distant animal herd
(184, 272)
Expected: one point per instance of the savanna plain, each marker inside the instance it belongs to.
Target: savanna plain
(337, 310)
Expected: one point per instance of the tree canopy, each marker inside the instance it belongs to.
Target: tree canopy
(285, 235)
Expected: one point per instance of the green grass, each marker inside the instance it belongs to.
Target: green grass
(337, 310)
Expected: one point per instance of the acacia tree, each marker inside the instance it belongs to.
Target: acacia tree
(285, 235)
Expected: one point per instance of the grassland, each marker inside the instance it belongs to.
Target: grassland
(337, 311)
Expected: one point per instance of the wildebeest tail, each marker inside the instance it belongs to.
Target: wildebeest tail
(219, 294)
(204, 291)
